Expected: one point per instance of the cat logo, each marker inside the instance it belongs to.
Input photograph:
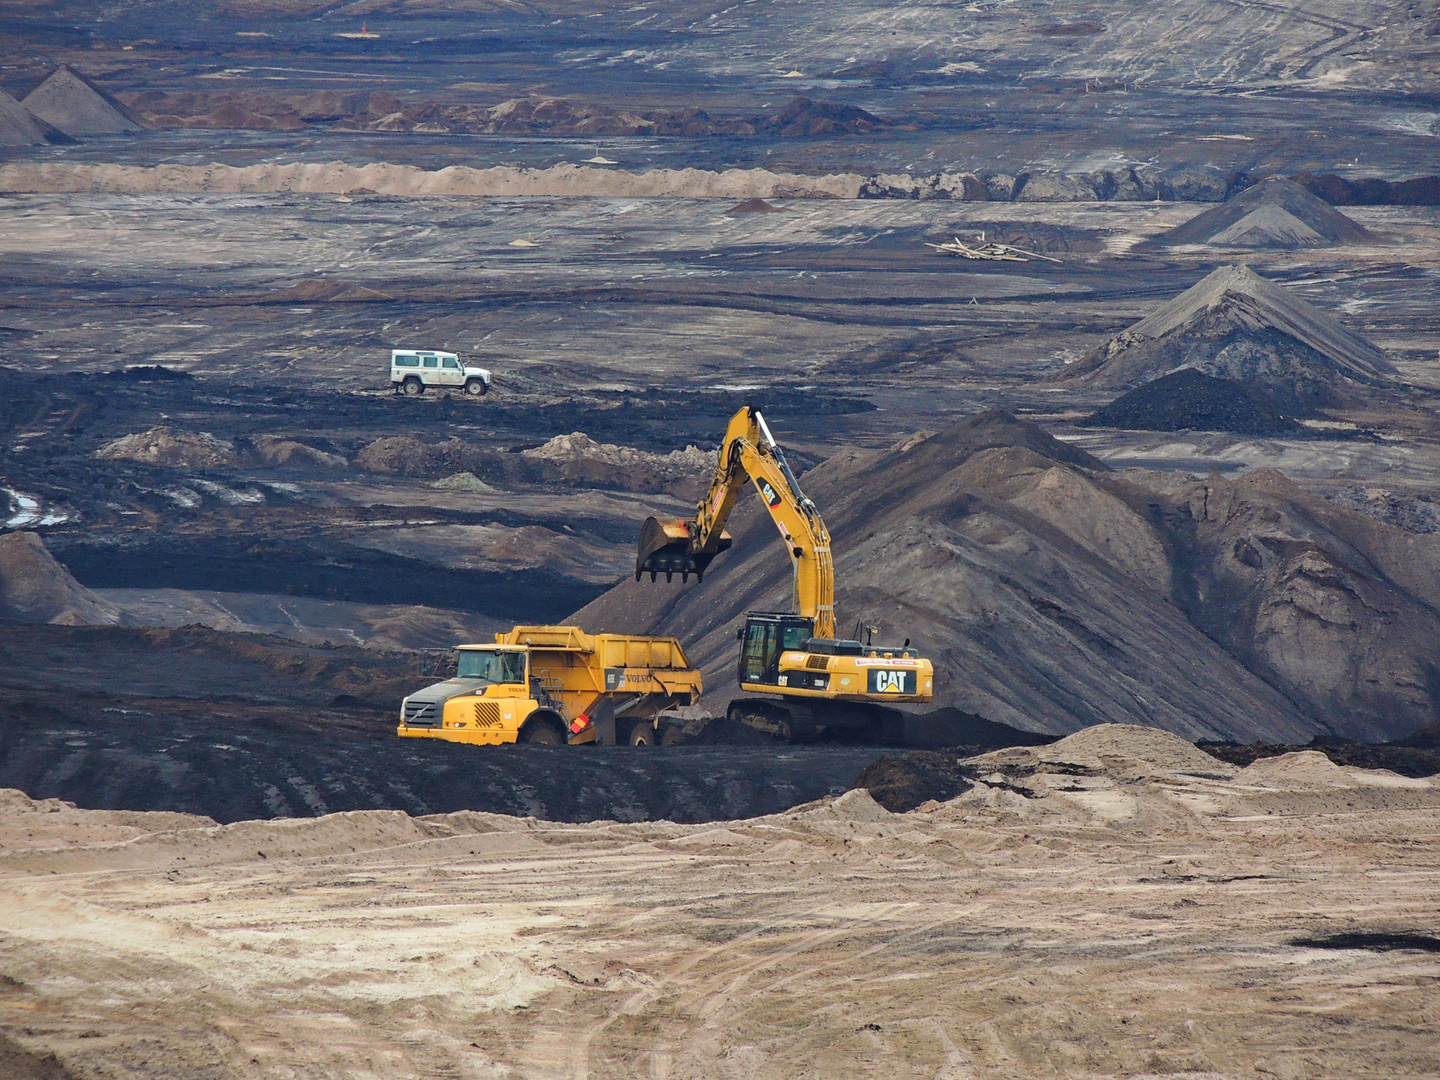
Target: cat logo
(769, 494)
(899, 683)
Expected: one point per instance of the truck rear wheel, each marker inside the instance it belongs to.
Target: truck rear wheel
(476, 387)
(642, 734)
(413, 387)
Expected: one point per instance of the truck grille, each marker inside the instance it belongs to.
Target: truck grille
(817, 663)
(421, 714)
(487, 714)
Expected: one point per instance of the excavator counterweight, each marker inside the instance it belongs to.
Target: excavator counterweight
(821, 681)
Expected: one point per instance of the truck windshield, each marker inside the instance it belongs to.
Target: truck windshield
(492, 665)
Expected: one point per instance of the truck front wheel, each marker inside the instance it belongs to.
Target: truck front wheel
(476, 387)
(642, 734)
(542, 732)
(413, 387)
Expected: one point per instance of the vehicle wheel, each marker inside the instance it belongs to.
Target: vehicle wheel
(413, 387)
(642, 734)
(541, 733)
(475, 387)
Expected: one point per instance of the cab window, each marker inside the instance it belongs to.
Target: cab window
(453, 365)
(492, 665)
(794, 637)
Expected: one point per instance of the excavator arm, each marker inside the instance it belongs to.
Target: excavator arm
(686, 546)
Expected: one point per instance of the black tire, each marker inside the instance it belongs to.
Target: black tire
(413, 387)
(541, 733)
(476, 388)
(643, 734)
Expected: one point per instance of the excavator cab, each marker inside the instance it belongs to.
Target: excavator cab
(764, 637)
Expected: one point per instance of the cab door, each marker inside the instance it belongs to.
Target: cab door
(760, 652)
(451, 373)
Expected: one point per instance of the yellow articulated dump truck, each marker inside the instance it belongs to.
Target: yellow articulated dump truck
(553, 685)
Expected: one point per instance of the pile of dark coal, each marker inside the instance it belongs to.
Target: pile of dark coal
(1189, 400)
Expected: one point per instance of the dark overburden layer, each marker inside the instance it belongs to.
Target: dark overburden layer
(238, 726)
(1398, 757)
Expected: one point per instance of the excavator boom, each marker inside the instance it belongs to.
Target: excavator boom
(686, 546)
(811, 680)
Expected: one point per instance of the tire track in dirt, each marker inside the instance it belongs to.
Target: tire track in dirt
(735, 976)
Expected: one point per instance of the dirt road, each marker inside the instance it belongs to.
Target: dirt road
(1116, 904)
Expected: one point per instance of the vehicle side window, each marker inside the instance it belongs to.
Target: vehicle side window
(453, 365)
(407, 361)
(514, 667)
(432, 361)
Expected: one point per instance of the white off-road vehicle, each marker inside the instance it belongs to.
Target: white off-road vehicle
(412, 370)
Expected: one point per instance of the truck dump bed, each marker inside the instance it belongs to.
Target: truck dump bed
(607, 662)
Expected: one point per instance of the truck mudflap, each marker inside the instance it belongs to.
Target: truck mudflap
(598, 726)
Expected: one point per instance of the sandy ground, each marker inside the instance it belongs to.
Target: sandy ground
(1116, 904)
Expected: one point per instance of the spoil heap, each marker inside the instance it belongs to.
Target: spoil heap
(72, 104)
(577, 458)
(17, 126)
(34, 588)
(1277, 213)
(1053, 593)
(754, 206)
(171, 448)
(1235, 324)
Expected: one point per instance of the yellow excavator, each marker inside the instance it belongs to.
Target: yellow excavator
(812, 681)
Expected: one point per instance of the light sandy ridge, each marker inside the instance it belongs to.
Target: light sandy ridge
(383, 178)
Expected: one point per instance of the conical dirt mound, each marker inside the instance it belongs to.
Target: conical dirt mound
(17, 126)
(72, 104)
(1275, 214)
(1235, 324)
(34, 588)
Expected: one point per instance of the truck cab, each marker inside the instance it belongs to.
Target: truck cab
(412, 370)
(554, 684)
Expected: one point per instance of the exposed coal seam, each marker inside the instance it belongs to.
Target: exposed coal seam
(356, 575)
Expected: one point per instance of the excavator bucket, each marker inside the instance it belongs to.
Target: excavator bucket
(665, 549)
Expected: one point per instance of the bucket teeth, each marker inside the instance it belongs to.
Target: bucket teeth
(664, 548)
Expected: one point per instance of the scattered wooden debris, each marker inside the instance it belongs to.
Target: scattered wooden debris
(992, 251)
